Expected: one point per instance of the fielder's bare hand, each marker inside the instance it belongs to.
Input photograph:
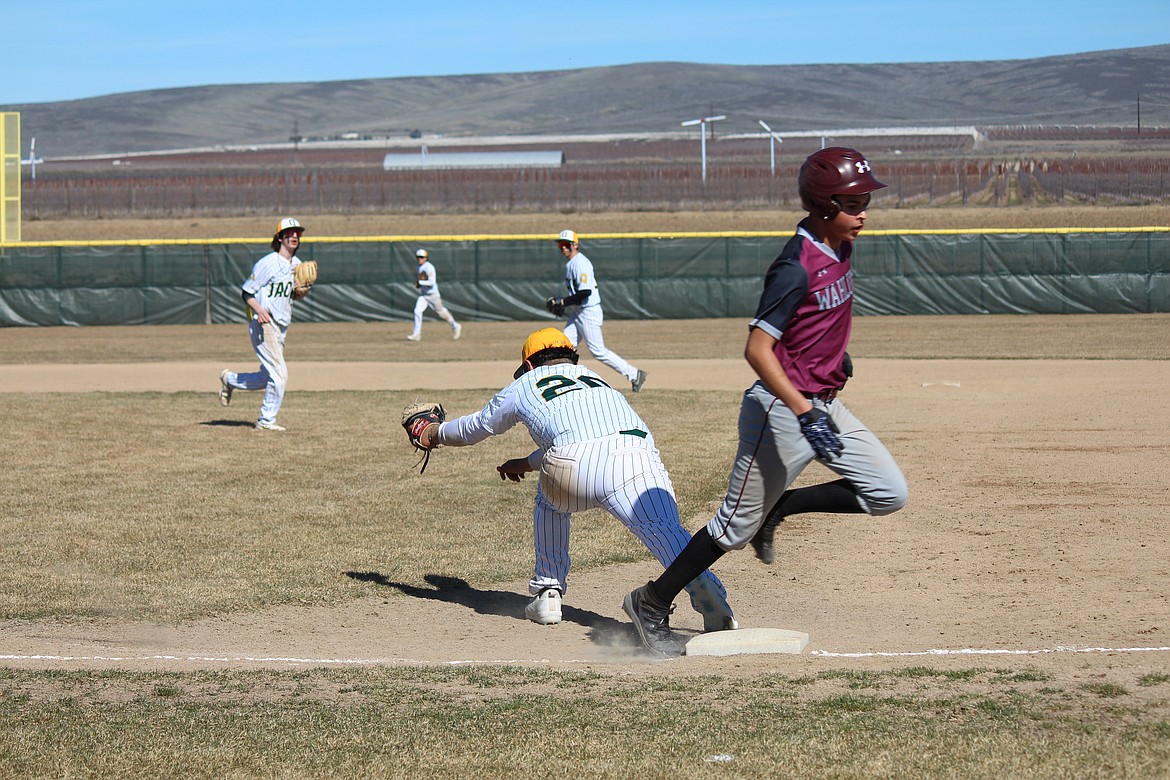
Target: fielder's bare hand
(514, 469)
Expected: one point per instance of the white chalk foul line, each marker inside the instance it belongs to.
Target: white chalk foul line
(990, 651)
(970, 651)
(277, 660)
(200, 659)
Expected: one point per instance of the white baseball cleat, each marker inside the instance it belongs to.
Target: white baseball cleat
(638, 381)
(269, 426)
(414, 337)
(545, 609)
(456, 331)
(225, 390)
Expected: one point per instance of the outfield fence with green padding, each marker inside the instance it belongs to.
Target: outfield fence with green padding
(684, 276)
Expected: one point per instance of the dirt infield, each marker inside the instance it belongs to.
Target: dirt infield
(1035, 535)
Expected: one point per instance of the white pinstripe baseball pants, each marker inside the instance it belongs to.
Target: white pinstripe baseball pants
(624, 475)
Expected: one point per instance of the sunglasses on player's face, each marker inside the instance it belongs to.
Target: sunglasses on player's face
(852, 204)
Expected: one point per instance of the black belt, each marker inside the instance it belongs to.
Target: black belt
(824, 395)
(634, 432)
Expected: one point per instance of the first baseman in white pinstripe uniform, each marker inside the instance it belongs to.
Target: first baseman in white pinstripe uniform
(592, 450)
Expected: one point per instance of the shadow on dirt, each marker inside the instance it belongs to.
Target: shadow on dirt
(454, 590)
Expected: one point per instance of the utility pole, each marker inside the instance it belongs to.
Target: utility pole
(702, 123)
(772, 139)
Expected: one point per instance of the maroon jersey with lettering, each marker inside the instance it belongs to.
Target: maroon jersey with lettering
(807, 305)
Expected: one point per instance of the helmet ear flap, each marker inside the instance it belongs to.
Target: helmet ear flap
(826, 209)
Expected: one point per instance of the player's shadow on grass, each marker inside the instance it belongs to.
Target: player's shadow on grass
(455, 590)
(230, 423)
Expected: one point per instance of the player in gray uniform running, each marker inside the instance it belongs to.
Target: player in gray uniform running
(584, 306)
(427, 284)
(592, 450)
(791, 415)
(268, 294)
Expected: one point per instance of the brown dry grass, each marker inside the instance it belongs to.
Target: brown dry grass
(665, 222)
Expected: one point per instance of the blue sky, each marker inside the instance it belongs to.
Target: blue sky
(82, 48)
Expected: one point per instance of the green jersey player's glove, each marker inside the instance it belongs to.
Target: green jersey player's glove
(417, 421)
(304, 276)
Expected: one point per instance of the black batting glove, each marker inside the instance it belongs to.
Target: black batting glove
(821, 432)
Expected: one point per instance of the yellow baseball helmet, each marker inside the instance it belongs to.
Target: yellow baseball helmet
(545, 338)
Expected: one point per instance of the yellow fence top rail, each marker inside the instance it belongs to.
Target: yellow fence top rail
(391, 239)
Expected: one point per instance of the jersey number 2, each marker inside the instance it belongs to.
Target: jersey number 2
(556, 384)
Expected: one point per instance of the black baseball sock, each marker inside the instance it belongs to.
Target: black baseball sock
(837, 497)
(696, 557)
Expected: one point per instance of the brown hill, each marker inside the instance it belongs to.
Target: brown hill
(1097, 88)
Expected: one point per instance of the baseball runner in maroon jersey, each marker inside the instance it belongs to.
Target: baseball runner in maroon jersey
(796, 345)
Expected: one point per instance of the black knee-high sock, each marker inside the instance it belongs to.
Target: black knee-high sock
(697, 556)
(837, 497)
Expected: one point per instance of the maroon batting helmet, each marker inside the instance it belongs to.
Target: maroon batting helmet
(836, 170)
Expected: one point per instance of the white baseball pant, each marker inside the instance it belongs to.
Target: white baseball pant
(435, 301)
(624, 475)
(268, 343)
(584, 324)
